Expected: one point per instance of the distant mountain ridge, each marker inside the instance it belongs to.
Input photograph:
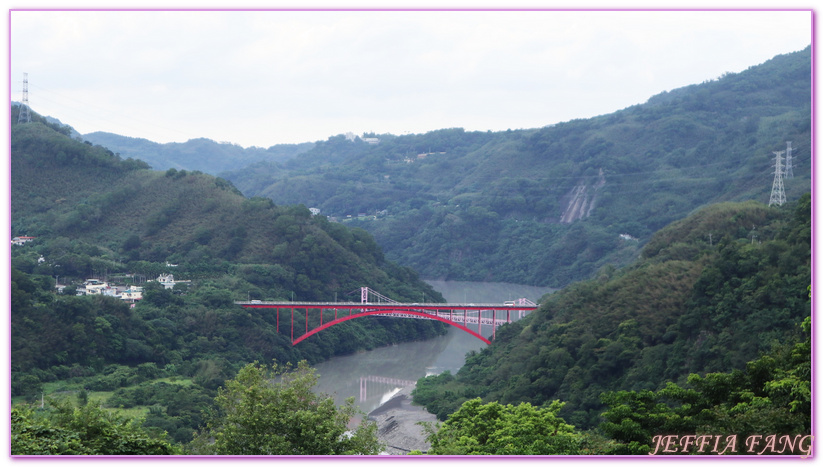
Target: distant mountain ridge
(552, 205)
(201, 154)
(544, 206)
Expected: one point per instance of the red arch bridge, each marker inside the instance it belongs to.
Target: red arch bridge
(460, 315)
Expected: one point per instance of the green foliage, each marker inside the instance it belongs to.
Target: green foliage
(100, 216)
(139, 220)
(199, 333)
(63, 429)
(273, 411)
(95, 215)
(477, 428)
(771, 396)
(27, 385)
(710, 294)
(176, 409)
(691, 305)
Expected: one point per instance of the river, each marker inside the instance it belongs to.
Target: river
(372, 377)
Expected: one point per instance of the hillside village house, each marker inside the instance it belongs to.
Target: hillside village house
(97, 287)
(130, 294)
(167, 280)
(21, 240)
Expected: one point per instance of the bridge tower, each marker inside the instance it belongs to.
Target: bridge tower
(25, 116)
(778, 195)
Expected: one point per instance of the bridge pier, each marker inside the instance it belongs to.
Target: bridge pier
(362, 389)
(396, 382)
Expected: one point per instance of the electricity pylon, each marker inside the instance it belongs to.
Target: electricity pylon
(25, 116)
(778, 195)
(787, 171)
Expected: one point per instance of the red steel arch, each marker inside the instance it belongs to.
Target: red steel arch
(386, 312)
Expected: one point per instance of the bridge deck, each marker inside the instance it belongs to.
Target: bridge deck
(385, 306)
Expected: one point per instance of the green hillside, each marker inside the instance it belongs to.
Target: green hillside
(548, 206)
(96, 215)
(674, 190)
(691, 304)
(63, 188)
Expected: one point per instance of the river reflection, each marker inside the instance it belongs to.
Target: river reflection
(372, 377)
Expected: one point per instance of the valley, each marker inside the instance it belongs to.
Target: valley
(674, 296)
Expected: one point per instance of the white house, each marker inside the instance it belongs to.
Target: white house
(132, 294)
(97, 287)
(21, 240)
(168, 280)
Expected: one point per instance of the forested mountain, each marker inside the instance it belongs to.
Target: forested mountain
(691, 304)
(673, 188)
(708, 286)
(548, 206)
(62, 188)
(94, 214)
(200, 154)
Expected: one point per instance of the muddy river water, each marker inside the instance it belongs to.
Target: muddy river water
(372, 377)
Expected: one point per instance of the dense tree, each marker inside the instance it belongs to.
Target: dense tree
(174, 408)
(772, 396)
(711, 292)
(690, 305)
(62, 429)
(273, 411)
(477, 428)
(95, 215)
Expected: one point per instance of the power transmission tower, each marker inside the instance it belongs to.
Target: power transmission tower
(25, 116)
(788, 170)
(778, 195)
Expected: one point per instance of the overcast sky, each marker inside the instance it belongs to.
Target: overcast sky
(261, 78)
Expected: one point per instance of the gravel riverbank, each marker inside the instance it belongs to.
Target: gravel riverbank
(397, 426)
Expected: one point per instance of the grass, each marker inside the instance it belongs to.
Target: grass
(69, 389)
